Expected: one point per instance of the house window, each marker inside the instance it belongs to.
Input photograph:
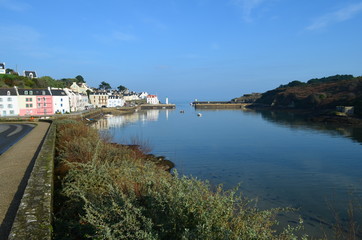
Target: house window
(27, 105)
(11, 111)
(31, 105)
(61, 105)
(10, 106)
(8, 93)
(39, 105)
(9, 99)
(45, 104)
(26, 92)
(4, 112)
(1, 106)
(1, 99)
(43, 92)
(61, 99)
(39, 99)
(44, 99)
(30, 92)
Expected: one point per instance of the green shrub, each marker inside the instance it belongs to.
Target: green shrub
(107, 193)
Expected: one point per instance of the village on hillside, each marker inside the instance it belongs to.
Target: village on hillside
(16, 101)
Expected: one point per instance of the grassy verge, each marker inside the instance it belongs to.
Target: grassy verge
(109, 191)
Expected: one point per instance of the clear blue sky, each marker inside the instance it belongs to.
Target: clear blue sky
(184, 49)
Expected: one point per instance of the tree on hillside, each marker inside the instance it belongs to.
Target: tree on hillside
(121, 88)
(294, 83)
(47, 81)
(68, 81)
(80, 79)
(10, 71)
(331, 79)
(104, 86)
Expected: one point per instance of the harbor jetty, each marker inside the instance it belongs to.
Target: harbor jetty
(157, 106)
(219, 105)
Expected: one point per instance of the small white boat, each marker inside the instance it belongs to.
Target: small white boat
(199, 114)
(108, 115)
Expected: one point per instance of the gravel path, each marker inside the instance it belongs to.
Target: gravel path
(15, 168)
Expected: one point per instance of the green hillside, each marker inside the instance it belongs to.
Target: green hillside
(11, 80)
(317, 94)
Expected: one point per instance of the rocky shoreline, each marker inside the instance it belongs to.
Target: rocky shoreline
(160, 161)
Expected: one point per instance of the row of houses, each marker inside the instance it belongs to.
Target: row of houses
(39, 102)
(48, 101)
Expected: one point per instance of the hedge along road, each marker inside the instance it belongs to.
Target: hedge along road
(22, 144)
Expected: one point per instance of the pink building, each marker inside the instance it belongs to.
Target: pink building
(36, 102)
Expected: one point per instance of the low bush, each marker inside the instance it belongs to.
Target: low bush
(106, 192)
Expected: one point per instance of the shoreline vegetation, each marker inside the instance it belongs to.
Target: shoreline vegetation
(111, 191)
(335, 99)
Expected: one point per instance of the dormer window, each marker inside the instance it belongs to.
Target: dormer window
(8, 93)
(43, 92)
(30, 92)
(26, 92)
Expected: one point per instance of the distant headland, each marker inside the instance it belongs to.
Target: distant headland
(335, 98)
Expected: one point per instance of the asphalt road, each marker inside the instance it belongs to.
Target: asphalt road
(16, 165)
(12, 133)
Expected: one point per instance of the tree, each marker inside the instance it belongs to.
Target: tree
(121, 88)
(9, 71)
(80, 79)
(104, 85)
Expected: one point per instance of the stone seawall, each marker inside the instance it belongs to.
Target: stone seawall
(34, 216)
(157, 106)
(221, 105)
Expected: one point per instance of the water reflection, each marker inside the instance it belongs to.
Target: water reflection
(122, 120)
(278, 157)
(296, 121)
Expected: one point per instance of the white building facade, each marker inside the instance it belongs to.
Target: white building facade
(152, 99)
(115, 101)
(9, 105)
(2, 68)
(61, 101)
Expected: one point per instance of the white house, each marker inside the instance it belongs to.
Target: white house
(30, 74)
(9, 105)
(61, 101)
(115, 101)
(80, 88)
(72, 99)
(2, 68)
(152, 99)
(143, 95)
(84, 101)
(130, 96)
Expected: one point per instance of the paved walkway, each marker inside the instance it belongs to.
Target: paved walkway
(15, 168)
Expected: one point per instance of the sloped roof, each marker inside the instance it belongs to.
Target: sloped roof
(30, 74)
(4, 91)
(58, 92)
(34, 92)
(2, 65)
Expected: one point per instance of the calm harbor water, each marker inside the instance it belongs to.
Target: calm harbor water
(278, 158)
